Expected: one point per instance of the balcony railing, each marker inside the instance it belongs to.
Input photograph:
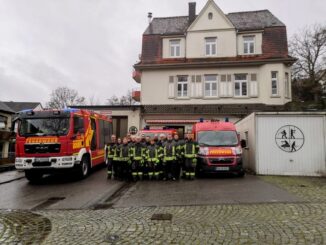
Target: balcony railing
(136, 75)
(136, 95)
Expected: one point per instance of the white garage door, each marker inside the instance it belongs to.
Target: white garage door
(291, 145)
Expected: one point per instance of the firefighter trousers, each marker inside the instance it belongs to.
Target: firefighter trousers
(190, 167)
(171, 169)
(137, 169)
(110, 167)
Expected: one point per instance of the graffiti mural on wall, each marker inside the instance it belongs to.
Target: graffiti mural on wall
(289, 138)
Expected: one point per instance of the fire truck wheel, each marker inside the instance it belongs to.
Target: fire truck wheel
(32, 176)
(84, 167)
(241, 173)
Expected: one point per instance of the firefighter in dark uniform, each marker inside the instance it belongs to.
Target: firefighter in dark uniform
(179, 156)
(138, 154)
(125, 156)
(153, 160)
(110, 153)
(191, 149)
(169, 159)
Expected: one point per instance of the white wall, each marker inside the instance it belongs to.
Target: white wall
(248, 124)
(155, 85)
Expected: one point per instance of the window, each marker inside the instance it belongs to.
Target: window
(78, 124)
(210, 15)
(210, 86)
(3, 122)
(174, 48)
(249, 45)
(105, 132)
(287, 85)
(240, 85)
(210, 46)
(274, 83)
(94, 138)
(182, 86)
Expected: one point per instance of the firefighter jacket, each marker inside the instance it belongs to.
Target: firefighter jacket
(169, 152)
(111, 150)
(125, 153)
(138, 152)
(191, 149)
(154, 153)
(179, 145)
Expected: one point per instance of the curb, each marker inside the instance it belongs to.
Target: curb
(7, 168)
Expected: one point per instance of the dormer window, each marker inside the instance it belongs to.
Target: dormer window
(210, 16)
(175, 48)
(249, 44)
(210, 46)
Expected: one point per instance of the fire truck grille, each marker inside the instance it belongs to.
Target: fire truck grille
(42, 148)
(41, 164)
(221, 160)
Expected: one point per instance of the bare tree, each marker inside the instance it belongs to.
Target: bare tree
(62, 97)
(123, 100)
(93, 101)
(309, 47)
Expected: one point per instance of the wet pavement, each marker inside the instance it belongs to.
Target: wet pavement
(252, 210)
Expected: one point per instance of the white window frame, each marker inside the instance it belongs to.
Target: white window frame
(210, 83)
(274, 80)
(175, 47)
(247, 44)
(241, 82)
(184, 93)
(210, 42)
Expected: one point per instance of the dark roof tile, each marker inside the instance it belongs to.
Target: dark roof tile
(19, 106)
(5, 108)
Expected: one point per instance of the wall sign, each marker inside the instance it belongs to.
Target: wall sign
(289, 138)
(133, 130)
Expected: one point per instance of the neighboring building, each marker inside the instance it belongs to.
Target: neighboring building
(5, 125)
(212, 65)
(8, 109)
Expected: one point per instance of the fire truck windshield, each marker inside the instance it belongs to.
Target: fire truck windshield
(217, 138)
(44, 127)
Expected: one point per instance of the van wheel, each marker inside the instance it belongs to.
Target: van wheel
(84, 167)
(33, 176)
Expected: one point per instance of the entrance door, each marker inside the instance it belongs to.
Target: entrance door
(120, 126)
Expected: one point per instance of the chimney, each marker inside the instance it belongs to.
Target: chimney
(149, 16)
(192, 12)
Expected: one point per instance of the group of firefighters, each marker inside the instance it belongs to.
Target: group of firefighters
(160, 157)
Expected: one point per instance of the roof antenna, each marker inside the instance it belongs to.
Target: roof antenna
(149, 16)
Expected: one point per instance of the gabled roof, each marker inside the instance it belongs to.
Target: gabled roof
(5, 108)
(243, 21)
(19, 106)
(254, 20)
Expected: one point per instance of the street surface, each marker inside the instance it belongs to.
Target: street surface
(215, 210)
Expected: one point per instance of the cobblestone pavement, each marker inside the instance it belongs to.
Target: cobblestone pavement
(261, 223)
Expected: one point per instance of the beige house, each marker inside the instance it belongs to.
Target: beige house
(212, 65)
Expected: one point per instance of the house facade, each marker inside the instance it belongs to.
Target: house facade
(212, 65)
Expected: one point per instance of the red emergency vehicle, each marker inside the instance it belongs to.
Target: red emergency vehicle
(52, 140)
(152, 132)
(220, 148)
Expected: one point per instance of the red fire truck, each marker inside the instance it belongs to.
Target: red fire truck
(60, 140)
(220, 148)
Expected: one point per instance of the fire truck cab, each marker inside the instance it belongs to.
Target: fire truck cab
(60, 140)
(220, 148)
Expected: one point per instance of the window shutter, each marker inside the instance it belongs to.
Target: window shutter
(193, 86)
(199, 87)
(253, 85)
(171, 87)
(223, 86)
(229, 85)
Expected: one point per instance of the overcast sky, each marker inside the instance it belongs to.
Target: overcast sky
(91, 45)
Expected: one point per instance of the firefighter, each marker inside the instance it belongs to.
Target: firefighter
(138, 154)
(147, 141)
(153, 160)
(156, 138)
(125, 156)
(169, 159)
(179, 156)
(162, 140)
(191, 149)
(110, 153)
